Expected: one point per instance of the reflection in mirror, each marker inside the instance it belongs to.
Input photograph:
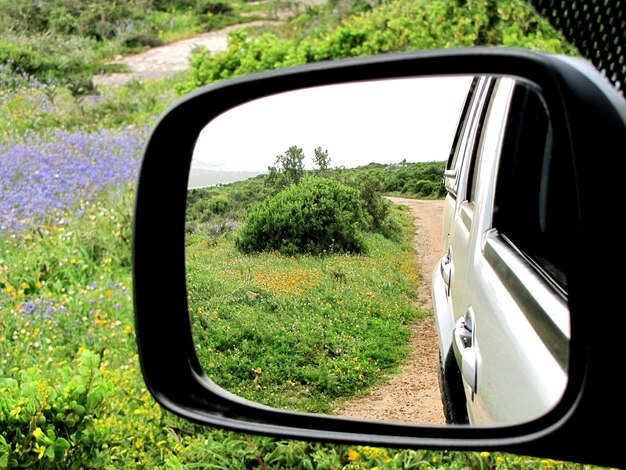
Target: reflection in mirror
(314, 221)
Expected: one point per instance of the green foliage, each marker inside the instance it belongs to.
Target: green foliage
(422, 180)
(29, 107)
(55, 60)
(52, 424)
(392, 26)
(68, 41)
(82, 18)
(56, 257)
(371, 182)
(218, 205)
(302, 331)
(164, 5)
(317, 216)
(377, 209)
(321, 161)
(217, 14)
(425, 188)
(288, 169)
(213, 7)
(243, 56)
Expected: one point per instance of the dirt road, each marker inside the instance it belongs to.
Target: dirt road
(413, 394)
(166, 60)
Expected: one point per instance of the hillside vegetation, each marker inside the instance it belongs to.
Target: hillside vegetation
(72, 394)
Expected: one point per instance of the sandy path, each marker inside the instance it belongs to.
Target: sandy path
(169, 59)
(413, 394)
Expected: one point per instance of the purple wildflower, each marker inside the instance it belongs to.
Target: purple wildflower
(45, 177)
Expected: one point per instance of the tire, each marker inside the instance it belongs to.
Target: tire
(452, 394)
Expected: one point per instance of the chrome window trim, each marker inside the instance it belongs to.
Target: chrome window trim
(468, 137)
(546, 310)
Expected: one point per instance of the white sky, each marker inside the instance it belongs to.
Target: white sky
(378, 121)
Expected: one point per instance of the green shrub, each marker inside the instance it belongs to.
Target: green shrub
(21, 57)
(399, 25)
(95, 19)
(370, 184)
(164, 5)
(426, 188)
(376, 208)
(316, 216)
(63, 61)
(213, 7)
(51, 424)
(218, 205)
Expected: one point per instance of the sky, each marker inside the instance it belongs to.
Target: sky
(383, 121)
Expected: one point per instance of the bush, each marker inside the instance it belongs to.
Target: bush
(213, 7)
(370, 189)
(426, 188)
(96, 19)
(370, 182)
(218, 205)
(393, 26)
(318, 215)
(51, 424)
(49, 60)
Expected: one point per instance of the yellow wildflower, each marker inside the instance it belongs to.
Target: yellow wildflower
(38, 433)
(40, 450)
(352, 455)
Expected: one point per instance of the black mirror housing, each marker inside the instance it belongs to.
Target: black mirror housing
(590, 118)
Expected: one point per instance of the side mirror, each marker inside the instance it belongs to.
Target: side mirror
(588, 120)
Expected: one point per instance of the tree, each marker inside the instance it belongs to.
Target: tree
(288, 169)
(292, 164)
(321, 160)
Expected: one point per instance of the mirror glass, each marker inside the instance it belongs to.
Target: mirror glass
(315, 221)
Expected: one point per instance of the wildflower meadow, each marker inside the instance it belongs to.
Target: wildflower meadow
(71, 391)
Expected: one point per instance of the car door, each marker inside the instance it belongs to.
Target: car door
(455, 238)
(509, 297)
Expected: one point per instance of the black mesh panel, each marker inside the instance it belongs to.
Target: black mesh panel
(597, 28)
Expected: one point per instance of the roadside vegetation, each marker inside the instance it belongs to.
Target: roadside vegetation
(71, 391)
(65, 42)
(301, 283)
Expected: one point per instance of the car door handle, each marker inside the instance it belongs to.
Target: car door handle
(464, 345)
(446, 269)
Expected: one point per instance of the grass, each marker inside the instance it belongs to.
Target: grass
(300, 332)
